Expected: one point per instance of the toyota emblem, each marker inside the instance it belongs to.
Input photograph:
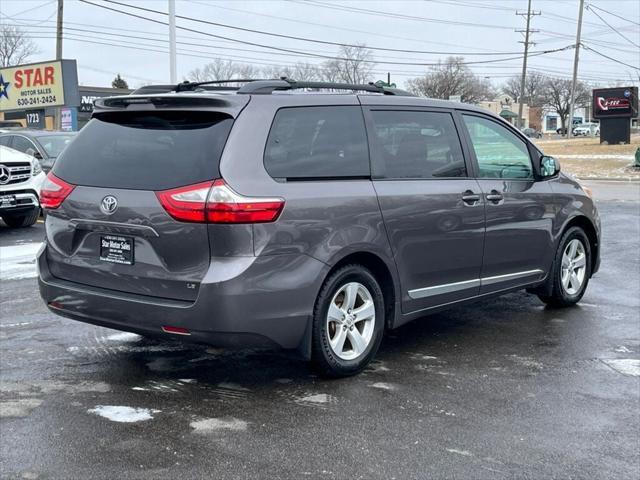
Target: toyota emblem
(5, 175)
(109, 204)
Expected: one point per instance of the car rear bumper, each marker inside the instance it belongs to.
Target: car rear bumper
(242, 302)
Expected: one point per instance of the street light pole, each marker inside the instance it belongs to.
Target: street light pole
(173, 75)
(575, 71)
(59, 30)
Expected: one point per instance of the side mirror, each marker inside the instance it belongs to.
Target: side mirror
(549, 166)
(37, 155)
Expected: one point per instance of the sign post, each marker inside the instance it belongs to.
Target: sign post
(615, 107)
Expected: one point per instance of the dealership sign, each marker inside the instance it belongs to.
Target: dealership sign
(615, 102)
(39, 85)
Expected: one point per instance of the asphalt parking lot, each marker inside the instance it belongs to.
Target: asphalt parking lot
(501, 389)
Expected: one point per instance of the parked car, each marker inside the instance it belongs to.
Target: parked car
(563, 131)
(532, 133)
(314, 222)
(587, 130)
(41, 144)
(10, 125)
(20, 180)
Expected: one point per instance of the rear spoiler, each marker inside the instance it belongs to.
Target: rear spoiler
(231, 105)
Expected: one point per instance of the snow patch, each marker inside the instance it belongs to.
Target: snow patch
(622, 349)
(626, 366)
(384, 386)
(121, 414)
(124, 337)
(318, 398)
(216, 424)
(18, 408)
(18, 261)
(460, 452)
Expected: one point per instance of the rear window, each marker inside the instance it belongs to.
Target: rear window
(316, 143)
(146, 150)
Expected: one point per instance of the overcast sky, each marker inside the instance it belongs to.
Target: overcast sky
(136, 48)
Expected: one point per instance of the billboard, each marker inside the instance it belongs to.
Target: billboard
(39, 85)
(616, 102)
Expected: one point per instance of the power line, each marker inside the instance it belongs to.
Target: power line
(586, 47)
(401, 16)
(292, 37)
(298, 52)
(612, 28)
(324, 25)
(613, 14)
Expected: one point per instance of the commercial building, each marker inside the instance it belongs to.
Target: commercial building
(47, 96)
(507, 108)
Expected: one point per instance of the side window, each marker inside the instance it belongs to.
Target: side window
(23, 145)
(500, 153)
(415, 144)
(317, 142)
(4, 141)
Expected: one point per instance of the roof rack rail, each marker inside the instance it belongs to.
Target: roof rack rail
(269, 86)
(265, 87)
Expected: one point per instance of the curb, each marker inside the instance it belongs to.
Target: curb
(606, 179)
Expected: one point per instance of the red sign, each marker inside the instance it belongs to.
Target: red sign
(615, 102)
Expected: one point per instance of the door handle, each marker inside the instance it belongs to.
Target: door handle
(470, 198)
(495, 196)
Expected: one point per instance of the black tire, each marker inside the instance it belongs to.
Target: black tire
(323, 357)
(23, 220)
(555, 294)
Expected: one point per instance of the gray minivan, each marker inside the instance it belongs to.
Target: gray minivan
(304, 216)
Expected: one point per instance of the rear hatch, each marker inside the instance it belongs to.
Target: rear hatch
(112, 231)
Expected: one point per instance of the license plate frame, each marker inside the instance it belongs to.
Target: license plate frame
(117, 249)
(8, 200)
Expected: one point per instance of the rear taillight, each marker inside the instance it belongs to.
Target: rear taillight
(227, 206)
(54, 191)
(187, 204)
(216, 202)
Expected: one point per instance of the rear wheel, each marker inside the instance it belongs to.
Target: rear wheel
(21, 220)
(348, 322)
(571, 270)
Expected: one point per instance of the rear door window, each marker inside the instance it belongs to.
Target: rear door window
(416, 145)
(316, 143)
(146, 150)
(4, 141)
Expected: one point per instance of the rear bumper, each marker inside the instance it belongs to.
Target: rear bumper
(242, 302)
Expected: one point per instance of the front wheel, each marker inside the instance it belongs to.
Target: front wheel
(348, 322)
(22, 220)
(571, 270)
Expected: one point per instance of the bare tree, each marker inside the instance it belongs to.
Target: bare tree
(534, 87)
(452, 77)
(218, 69)
(558, 93)
(15, 46)
(354, 65)
(302, 72)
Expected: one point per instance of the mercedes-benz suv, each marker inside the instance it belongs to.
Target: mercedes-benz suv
(304, 216)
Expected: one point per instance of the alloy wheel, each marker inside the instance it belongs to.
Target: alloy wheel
(351, 321)
(574, 266)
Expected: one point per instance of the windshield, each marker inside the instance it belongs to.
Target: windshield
(54, 144)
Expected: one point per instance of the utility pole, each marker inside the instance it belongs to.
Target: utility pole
(575, 70)
(526, 42)
(59, 30)
(173, 75)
